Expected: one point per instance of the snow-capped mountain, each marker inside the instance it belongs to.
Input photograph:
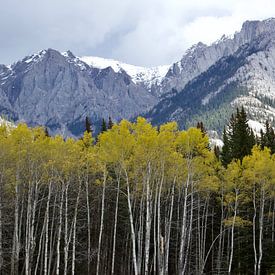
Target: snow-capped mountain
(59, 90)
(148, 76)
(211, 81)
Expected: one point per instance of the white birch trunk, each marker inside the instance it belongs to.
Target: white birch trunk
(232, 233)
(88, 225)
(133, 235)
(101, 222)
(47, 229)
(261, 226)
(74, 227)
(148, 222)
(168, 231)
(183, 228)
(115, 226)
(59, 230)
(254, 232)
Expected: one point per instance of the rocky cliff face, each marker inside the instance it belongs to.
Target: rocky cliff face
(59, 91)
(201, 57)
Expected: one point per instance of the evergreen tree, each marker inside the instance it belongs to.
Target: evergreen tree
(103, 126)
(226, 153)
(46, 132)
(268, 138)
(201, 127)
(88, 127)
(238, 138)
(110, 123)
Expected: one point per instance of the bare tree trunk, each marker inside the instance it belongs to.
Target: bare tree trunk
(189, 231)
(59, 230)
(148, 221)
(160, 237)
(47, 229)
(27, 231)
(219, 257)
(74, 227)
(261, 226)
(66, 233)
(52, 239)
(101, 221)
(168, 231)
(232, 232)
(155, 234)
(140, 233)
(254, 231)
(115, 226)
(40, 247)
(183, 228)
(88, 225)
(16, 245)
(133, 235)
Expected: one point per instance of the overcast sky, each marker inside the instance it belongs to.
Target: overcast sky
(139, 32)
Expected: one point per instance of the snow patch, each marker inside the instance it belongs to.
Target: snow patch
(149, 76)
(256, 126)
(35, 57)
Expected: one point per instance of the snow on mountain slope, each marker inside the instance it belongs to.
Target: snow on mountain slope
(256, 126)
(148, 76)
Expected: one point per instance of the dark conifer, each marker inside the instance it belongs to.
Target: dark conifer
(103, 126)
(110, 123)
(46, 132)
(226, 152)
(238, 138)
(88, 126)
(268, 138)
(201, 127)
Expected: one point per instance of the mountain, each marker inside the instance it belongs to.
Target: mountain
(140, 75)
(211, 81)
(59, 90)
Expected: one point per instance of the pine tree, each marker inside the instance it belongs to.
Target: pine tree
(110, 123)
(201, 127)
(268, 138)
(88, 127)
(238, 138)
(103, 126)
(46, 132)
(225, 154)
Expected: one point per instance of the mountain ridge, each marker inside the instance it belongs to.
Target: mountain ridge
(59, 89)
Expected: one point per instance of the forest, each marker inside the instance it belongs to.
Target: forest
(137, 199)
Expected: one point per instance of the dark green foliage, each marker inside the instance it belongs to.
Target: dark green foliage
(201, 127)
(268, 138)
(88, 127)
(46, 132)
(200, 95)
(110, 123)
(226, 153)
(238, 138)
(103, 126)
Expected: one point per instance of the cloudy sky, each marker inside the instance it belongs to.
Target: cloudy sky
(140, 32)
